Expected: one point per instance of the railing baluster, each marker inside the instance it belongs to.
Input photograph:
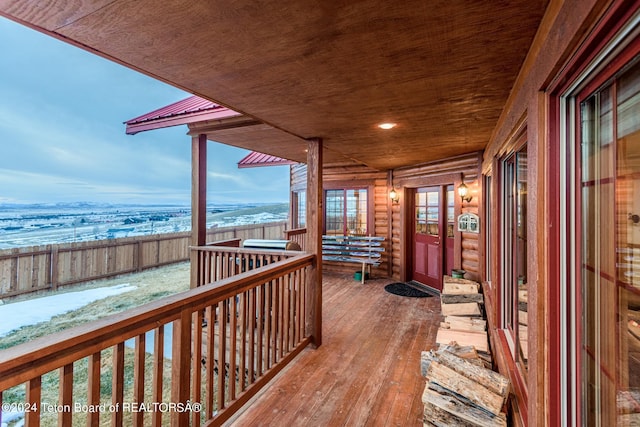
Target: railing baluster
(222, 344)
(252, 334)
(181, 366)
(284, 326)
(117, 384)
(243, 339)
(158, 373)
(196, 375)
(34, 391)
(218, 266)
(138, 378)
(275, 314)
(268, 317)
(211, 324)
(302, 280)
(65, 395)
(287, 313)
(260, 332)
(93, 389)
(233, 344)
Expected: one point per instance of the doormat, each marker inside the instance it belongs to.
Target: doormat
(405, 290)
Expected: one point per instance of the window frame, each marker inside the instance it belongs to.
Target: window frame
(353, 186)
(610, 43)
(507, 291)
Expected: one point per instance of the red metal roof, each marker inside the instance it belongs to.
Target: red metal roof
(255, 159)
(189, 110)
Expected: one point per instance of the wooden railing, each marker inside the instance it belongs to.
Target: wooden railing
(25, 270)
(228, 340)
(298, 235)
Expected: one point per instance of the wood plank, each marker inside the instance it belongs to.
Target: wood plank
(93, 389)
(463, 309)
(138, 377)
(461, 385)
(476, 339)
(466, 323)
(117, 384)
(158, 367)
(329, 385)
(452, 288)
(33, 398)
(461, 298)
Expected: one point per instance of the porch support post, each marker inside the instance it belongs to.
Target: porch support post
(315, 219)
(198, 201)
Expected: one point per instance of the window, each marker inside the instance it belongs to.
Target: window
(513, 292)
(346, 212)
(299, 205)
(608, 194)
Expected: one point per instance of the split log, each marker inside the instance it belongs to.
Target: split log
(461, 298)
(477, 394)
(464, 352)
(476, 339)
(493, 381)
(444, 410)
(464, 309)
(460, 288)
(523, 317)
(449, 279)
(461, 323)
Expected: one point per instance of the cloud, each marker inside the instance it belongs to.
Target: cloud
(62, 134)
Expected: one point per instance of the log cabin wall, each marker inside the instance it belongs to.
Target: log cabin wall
(390, 223)
(449, 171)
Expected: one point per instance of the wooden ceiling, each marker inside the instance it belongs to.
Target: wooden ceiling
(441, 69)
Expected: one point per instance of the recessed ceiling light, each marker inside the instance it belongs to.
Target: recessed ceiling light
(387, 125)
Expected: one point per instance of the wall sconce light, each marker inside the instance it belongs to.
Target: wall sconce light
(394, 196)
(463, 192)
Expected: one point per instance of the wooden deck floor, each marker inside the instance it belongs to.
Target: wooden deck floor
(367, 371)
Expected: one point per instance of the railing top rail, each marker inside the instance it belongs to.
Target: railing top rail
(295, 231)
(236, 250)
(25, 361)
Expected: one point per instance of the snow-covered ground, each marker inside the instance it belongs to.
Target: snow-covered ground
(15, 315)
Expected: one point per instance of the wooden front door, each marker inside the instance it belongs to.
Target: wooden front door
(428, 236)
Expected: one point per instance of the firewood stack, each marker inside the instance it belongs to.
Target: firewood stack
(460, 390)
(461, 387)
(464, 323)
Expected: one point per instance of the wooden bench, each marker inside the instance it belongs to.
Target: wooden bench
(355, 249)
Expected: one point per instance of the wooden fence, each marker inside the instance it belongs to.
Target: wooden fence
(36, 268)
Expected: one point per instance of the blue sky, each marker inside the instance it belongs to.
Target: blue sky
(62, 137)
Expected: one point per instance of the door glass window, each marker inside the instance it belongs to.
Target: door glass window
(451, 219)
(433, 211)
(427, 211)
